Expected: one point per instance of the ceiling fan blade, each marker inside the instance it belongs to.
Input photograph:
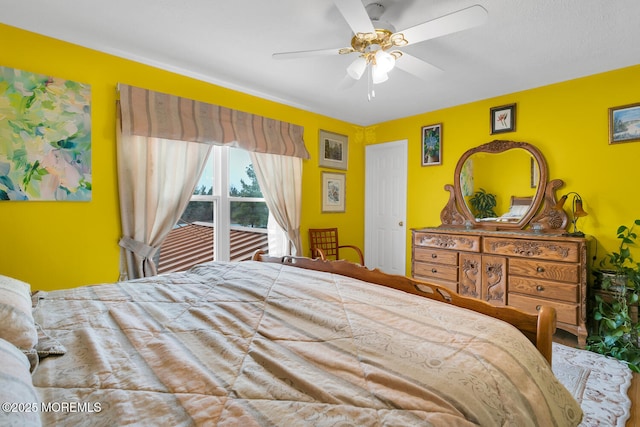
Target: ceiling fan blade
(306, 53)
(452, 23)
(356, 15)
(417, 67)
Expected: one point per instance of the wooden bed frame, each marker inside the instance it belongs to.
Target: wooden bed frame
(539, 329)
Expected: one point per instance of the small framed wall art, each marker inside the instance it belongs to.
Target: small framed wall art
(624, 123)
(432, 145)
(334, 150)
(503, 118)
(333, 192)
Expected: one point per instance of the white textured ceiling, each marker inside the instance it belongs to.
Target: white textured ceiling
(524, 44)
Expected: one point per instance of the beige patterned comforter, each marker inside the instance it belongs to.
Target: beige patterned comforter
(244, 344)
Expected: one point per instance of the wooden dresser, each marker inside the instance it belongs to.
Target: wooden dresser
(522, 269)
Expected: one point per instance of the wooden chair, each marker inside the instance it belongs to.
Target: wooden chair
(324, 244)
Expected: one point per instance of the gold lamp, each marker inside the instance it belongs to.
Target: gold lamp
(577, 211)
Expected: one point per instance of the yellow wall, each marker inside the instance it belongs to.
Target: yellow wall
(55, 245)
(567, 121)
(59, 245)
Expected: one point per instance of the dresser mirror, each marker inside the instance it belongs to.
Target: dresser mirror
(515, 176)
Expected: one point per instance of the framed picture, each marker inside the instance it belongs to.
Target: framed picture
(503, 118)
(432, 145)
(333, 192)
(334, 150)
(624, 123)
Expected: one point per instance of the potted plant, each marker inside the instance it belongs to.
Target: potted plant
(616, 289)
(483, 204)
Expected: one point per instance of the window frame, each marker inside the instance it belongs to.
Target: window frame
(222, 201)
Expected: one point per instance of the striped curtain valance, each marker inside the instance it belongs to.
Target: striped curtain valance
(160, 115)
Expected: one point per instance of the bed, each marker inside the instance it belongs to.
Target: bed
(518, 207)
(286, 342)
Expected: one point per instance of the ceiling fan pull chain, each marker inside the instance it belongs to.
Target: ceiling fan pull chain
(371, 93)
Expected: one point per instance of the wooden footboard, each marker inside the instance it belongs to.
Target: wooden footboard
(538, 328)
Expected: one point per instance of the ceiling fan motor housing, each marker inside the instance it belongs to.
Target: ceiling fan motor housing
(374, 10)
(361, 41)
(384, 36)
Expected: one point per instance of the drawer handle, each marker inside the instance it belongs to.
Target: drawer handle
(434, 256)
(540, 269)
(434, 270)
(538, 307)
(539, 288)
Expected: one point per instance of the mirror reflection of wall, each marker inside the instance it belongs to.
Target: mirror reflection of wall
(504, 174)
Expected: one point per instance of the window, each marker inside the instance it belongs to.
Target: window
(225, 220)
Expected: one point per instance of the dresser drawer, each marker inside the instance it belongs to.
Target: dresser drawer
(566, 313)
(435, 271)
(545, 289)
(563, 272)
(437, 256)
(458, 242)
(539, 249)
(452, 286)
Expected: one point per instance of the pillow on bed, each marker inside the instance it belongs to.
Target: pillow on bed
(16, 319)
(20, 403)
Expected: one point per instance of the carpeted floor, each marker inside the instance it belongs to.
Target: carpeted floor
(599, 383)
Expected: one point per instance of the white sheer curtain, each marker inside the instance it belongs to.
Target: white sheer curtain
(156, 178)
(277, 238)
(280, 179)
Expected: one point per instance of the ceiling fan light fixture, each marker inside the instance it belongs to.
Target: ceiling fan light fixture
(357, 68)
(385, 61)
(378, 75)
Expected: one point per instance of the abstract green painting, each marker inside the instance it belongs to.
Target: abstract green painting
(45, 137)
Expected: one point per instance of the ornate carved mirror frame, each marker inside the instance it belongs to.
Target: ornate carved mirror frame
(542, 215)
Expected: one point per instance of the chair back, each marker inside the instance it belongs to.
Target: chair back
(325, 239)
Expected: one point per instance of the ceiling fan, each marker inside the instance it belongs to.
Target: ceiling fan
(377, 43)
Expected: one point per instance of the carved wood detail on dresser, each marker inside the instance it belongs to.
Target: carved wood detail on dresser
(522, 269)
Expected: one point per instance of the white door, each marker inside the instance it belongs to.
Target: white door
(386, 207)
